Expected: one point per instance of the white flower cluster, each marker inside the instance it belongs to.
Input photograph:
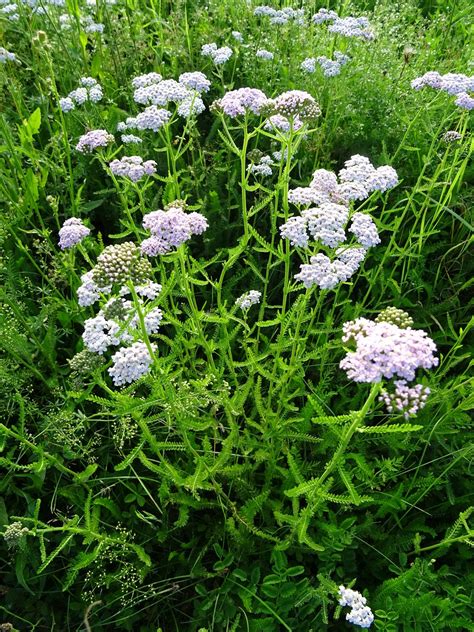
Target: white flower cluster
(264, 54)
(280, 16)
(5, 56)
(248, 299)
(87, 22)
(327, 221)
(455, 84)
(89, 292)
(131, 363)
(152, 118)
(218, 55)
(157, 93)
(360, 613)
(89, 90)
(132, 167)
(283, 124)
(263, 167)
(130, 138)
(329, 67)
(452, 136)
(326, 274)
(294, 103)
(237, 35)
(121, 321)
(348, 26)
(90, 26)
(120, 326)
(324, 15)
(405, 399)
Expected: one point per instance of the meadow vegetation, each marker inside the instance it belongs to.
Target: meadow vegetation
(235, 315)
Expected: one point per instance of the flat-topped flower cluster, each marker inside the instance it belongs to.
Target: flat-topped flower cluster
(329, 197)
(280, 16)
(360, 614)
(456, 84)
(389, 348)
(329, 67)
(89, 90)
(289, 110)
(348, 26)
(132, 167)
(170, 228)
(218, 55)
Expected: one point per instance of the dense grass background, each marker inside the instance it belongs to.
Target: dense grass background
(189, 537)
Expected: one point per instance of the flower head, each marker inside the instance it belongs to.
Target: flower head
(195, 81)
(121, 263)
(132, 167)
(405, 399)
(294, 103)
(218, 55)
(360, 614)
(131, 363)
(264, 54)
(6, 55)
(364, 229)
(93, 140)
(170, 228)
(384, 350)
(241, 101)
(248, 299)
(72, 233)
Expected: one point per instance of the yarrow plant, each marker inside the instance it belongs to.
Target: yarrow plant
(329, 67)
(94, 139)
(248, 299)
(218, 55)
(293, 103)
(121, 270)
(264, 54)
(170, 228)
(327, 222)
(455, 84)
(132, 167)
(280, 16)
(89, 90)
(194, 393)
(6, 55)
(72, 233)
(347, 26)
(360, 614)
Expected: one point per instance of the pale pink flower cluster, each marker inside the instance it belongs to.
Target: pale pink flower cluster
(170, 228)
(240, 102)
(72, 233)
(384, 350)
(405, 399)
(132, 167)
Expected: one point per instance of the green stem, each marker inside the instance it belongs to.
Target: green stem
(348, 434)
